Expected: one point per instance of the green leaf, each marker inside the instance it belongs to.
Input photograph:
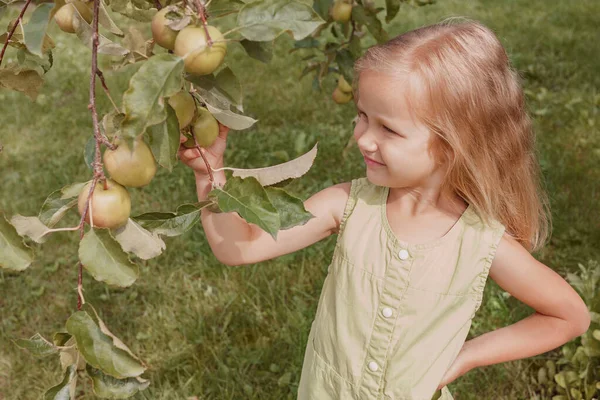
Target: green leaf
(66, 389)
(261, 51)
(111, 123)
(229, 85)
(276, 173)
(221, 90)
(106, 21)
(103, 258)
(250, 200)
(100, 349)
(164, 140)
(290, 208)
(143, 101)
(31, 227)
(345, 61)
(307, 43)
(29, 61)
(35, 30)
(107, 387)
(230, 119)
(37, 345)
(61, 338)
(369, 18)
(224, 7)
(392, 7)
(59, 202)
(135, 239)
(126, 8)
(322, 7)
(14, 254)
(27, 81)
(84, 32)
(172, 224)
(264, 20)
(355, 47)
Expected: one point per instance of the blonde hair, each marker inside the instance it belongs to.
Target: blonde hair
(462, 88)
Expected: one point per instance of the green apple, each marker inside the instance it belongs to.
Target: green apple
(184, 105)
(205, 128)
(344, 85)
(130, 168)
(64, 15)
(110, 207)
(341, 97)
(341, 11)
(202, 59)
(162, 34)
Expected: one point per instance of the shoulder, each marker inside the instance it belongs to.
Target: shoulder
(510, 254)
(330, 203)
(340, 197)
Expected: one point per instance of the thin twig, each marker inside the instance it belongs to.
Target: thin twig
(202, 15)
(14, 28)
(211, 178)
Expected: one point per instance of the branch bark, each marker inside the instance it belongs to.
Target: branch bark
(14, 28)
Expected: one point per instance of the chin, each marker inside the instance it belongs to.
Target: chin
(375, 179)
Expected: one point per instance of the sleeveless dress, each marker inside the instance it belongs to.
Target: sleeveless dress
(392, 316)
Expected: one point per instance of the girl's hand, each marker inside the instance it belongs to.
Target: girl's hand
(459, 367)
(213, 154)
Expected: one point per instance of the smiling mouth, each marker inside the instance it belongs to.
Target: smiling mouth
(371, 161)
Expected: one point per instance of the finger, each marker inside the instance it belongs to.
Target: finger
(188, 154)
(223, 131)
(182, 138)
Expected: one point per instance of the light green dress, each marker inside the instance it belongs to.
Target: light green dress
(393, 316)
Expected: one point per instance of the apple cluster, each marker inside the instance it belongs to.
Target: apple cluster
(201, 122)
(343, 92)
(201, 55)
(111, 203)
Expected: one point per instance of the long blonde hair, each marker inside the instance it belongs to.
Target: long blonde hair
(461, 86)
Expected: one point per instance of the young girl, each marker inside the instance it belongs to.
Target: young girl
(451, 194)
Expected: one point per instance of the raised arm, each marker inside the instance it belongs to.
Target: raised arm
(236, 242)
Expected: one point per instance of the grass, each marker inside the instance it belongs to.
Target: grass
(219, 332)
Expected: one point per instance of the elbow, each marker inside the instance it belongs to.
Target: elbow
(584, 323)
(230, 262)
(580, 322)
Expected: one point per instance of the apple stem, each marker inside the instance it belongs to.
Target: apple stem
(202, 15)
(14, 28)
(211, 177)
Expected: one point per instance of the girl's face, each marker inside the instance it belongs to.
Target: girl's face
(386, 133)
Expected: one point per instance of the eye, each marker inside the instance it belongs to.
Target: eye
(388, 129)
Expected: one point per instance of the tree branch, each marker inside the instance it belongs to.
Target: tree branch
(14, 28)
(97, 164)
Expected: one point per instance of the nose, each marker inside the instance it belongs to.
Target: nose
(365, 139)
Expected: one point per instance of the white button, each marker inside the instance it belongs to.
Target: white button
(403, 254)
(387, 312)
(373, 366)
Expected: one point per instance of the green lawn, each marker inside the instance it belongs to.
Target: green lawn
(219, 332)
